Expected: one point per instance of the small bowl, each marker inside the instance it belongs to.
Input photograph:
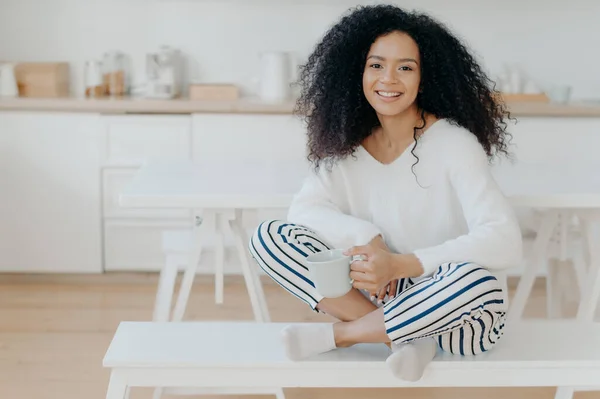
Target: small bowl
(559, 94)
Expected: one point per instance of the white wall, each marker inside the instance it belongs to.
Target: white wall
(222, 38)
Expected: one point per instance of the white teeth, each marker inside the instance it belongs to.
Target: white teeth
(388, 93)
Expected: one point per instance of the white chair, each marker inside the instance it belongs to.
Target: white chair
(554, 245)
(177, 246)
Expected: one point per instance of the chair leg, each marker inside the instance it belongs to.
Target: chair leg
(582, 268)
(590, 294)
(157, 394)
(219, 261)
(117, 387)
(279, 394)
(253, 284)
(166, 288)
(540, 246)
(564, 393)
(202, 227)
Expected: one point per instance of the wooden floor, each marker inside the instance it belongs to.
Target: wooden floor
(54, 331)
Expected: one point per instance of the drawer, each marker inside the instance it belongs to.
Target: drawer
(136, 244)
(114, 180)
(134, 139)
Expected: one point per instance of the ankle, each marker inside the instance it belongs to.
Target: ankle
(341, 334)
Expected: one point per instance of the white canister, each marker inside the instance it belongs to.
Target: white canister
(8, 81)
(276, 74)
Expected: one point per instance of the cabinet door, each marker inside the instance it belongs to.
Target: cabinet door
(50, 192)
(135, 139)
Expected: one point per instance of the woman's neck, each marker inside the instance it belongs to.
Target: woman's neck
(396, 131)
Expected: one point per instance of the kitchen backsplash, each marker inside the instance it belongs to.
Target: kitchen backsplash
(221, 40)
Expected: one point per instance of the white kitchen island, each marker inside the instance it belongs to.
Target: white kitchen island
(62, 169)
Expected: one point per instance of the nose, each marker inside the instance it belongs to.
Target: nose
(388, 76)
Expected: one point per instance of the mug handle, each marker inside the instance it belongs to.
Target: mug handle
(355, 257)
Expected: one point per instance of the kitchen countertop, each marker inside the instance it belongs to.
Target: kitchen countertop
(243, 106)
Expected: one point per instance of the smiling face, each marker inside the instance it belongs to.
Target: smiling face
(392, 75)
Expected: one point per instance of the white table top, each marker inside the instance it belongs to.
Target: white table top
(550, 186)
(214, 185)
(272, 184)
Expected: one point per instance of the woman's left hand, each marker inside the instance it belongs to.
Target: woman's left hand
(375, 271)
(389, 290)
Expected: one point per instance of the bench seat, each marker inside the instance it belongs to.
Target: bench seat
(233, 354)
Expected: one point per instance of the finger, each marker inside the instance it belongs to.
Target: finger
(362, 285)
(358, 250)
(382, 294)
(393, 288)
(360, 266)
(360, 276)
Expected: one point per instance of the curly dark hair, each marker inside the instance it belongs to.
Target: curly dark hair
(453, 85)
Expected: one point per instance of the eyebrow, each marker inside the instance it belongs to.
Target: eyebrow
(378, 57)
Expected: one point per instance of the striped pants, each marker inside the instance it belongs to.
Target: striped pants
(462, 305)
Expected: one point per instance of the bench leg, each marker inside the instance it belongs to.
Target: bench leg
(117, 387)
(540, 246)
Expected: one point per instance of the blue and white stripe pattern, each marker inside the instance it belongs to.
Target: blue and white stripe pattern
(462, 305)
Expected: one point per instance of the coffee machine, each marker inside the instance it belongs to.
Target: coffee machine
(163, 70)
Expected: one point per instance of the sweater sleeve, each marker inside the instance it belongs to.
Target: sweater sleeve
(494, 238)
(319, 206)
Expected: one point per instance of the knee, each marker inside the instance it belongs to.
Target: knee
(476, 282)
(264, 234)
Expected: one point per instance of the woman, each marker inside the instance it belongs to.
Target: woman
(401, 125)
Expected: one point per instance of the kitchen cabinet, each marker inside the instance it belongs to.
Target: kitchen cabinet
(50, 193)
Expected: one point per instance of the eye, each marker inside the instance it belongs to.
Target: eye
(406, 68)
(375, 65)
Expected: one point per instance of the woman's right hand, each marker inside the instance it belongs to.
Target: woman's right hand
(392, 286)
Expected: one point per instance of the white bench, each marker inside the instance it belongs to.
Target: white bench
(249, 356)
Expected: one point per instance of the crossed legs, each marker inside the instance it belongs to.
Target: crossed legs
(461, 307)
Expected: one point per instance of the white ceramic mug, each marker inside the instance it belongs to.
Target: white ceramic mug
(330, 272)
